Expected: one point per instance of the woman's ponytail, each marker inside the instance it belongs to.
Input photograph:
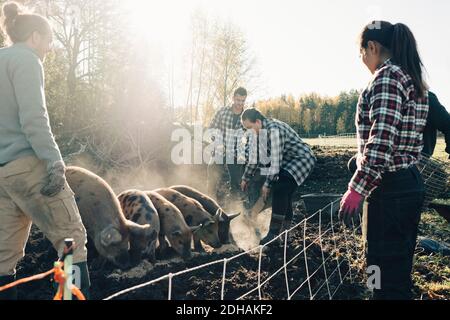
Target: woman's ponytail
(404, 52)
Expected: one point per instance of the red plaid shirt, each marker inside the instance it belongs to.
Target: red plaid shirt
(390, 120)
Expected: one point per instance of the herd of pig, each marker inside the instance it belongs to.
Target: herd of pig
(130, 227)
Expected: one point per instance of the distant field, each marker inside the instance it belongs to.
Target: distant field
(439, 152)
(332, 142)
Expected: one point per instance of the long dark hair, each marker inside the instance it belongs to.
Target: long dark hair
(252, 114)
(402, 45)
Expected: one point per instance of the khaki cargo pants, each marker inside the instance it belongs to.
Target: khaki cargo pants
(21, 204)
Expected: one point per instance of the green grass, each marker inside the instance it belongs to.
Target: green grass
(431, 273)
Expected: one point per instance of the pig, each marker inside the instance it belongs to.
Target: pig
(137, 207)
(173, 226)
(195, 215)
(212, 207)
(102, 216)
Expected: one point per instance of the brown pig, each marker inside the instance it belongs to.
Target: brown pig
(212, 207)
(137, 207)
(173, 226)
(195, 215)
(102, 216)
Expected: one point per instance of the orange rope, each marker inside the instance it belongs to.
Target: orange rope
(59, 276)
(28, 279)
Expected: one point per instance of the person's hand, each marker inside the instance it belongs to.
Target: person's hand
(350, 206)
(244, 185)
(56, 179)
(265, 191)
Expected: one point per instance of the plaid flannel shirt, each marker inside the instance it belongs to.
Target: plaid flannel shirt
(285, 150)
(390, 120)
(232, 135)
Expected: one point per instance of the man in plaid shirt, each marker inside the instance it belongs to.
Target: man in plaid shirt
(288, 160)
(227, 123)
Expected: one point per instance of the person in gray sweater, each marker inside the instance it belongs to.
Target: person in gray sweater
(33, 188)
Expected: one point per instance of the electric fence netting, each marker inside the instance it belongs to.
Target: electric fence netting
(312, 260)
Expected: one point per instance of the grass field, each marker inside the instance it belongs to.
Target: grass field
(439, 152)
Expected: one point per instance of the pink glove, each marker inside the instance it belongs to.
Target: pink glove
(350, 205)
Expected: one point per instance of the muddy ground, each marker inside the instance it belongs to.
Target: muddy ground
(330, 175)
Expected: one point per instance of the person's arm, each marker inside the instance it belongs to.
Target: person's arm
(441, 119)
(217, 119)
(276, 144)
(28, 80)
(249, 172)
(385, 99)
(214, 126)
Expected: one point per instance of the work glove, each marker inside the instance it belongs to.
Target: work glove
(350, 207)
(56, 179)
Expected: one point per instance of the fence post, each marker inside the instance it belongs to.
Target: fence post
(222, 291)
(169, 294)
(68, 260)
(286, 277)
(306, 260)
(259, 271)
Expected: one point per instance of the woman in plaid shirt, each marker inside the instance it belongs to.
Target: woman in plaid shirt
(288, 160)
(390, 120)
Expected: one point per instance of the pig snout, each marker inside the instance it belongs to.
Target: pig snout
(135, 257)
(187, 254)
(224, 231)
(216, 245)
(123, 261)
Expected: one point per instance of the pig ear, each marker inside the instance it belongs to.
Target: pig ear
(231, 216)
(218, 216)
(196, 228)
(109, 236)
(139, 230)
(227, 217)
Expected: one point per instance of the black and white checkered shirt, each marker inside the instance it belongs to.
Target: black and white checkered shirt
(284, 149)
(229, 129)
(390, 121)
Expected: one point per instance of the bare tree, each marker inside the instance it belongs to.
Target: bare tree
(234, 63)
(220, 62)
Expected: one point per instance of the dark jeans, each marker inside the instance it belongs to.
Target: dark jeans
(391, 216)
(283, 189)
(235, 172)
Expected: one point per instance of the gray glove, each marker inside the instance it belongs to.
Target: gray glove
(56, 179)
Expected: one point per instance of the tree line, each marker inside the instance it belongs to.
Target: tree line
(314, 114)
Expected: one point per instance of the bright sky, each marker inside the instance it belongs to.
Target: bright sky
(305, 46)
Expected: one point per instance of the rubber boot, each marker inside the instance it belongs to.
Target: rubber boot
(85, 281)
(10, 294)
(276, 222)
